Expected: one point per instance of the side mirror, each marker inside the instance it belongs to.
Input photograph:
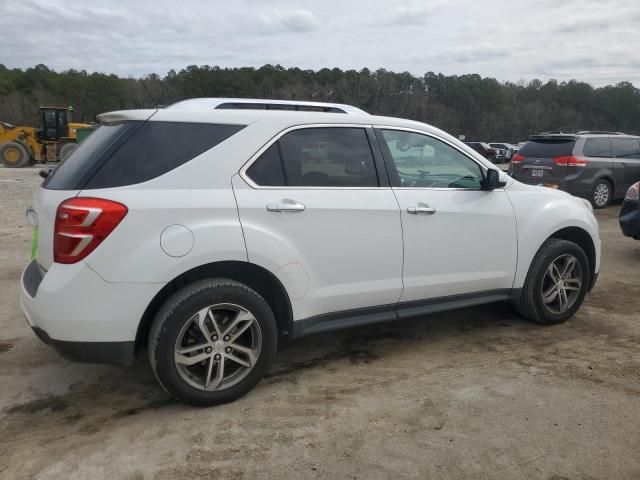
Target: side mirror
(45, 172)
(492, 180)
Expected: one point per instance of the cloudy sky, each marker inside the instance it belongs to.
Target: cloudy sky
(595, 41)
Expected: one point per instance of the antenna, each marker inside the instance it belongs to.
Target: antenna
(153, 100)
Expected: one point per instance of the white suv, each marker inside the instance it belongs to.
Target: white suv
(206, 233)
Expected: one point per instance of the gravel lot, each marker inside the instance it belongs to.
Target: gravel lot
(476, 393)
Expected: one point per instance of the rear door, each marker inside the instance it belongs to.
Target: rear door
(317, 211)
(535, 162)
(627, 162)
(600, 162)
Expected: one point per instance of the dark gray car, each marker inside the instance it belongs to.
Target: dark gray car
(598, 166)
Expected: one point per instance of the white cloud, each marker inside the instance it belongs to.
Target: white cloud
(498, 38)
(413, 13)
(297, 21)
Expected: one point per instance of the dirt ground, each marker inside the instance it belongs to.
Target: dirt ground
(477, 393)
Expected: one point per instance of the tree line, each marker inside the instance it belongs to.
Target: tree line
(480, 108)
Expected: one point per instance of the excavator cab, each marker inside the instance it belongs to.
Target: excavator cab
(54, 123)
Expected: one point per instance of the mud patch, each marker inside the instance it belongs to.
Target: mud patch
(53, 403)
(153, 405)
(5, 347)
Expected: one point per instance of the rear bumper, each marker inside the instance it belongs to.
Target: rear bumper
(112, 353)
(630, 219)
(83, 317)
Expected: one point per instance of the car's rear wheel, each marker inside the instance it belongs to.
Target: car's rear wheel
(212, 342)
(601, 194)
(556, 284)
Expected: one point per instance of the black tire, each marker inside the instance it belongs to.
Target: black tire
(531, 304)
(179, 310)
(66, 150)
(14, 155)
(599, 187)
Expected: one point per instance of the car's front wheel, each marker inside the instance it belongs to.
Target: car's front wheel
(212, 342)
(556, 284)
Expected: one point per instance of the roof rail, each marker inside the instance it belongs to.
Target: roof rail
(552, 135)
(556, 132)
(264, 104)
(598, 132)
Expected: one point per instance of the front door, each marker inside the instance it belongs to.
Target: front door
(458, 239)
(315, 212)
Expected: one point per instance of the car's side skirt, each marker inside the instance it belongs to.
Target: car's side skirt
(397, 311)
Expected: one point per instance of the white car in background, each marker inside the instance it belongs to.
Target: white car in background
(205, 233)
(507, 149)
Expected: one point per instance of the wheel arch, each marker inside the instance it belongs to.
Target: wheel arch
(583, 239)
(258, 278)
(609, 178)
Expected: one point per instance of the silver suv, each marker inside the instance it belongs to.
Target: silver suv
(598, 166)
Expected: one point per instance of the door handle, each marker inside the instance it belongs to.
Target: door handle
(421, 209)
(285, 205)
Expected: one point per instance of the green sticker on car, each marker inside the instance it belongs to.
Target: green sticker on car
(34, 243)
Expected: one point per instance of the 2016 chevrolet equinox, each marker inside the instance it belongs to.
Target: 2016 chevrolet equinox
(207, 229)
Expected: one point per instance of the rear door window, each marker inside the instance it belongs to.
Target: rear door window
(597, 147)
(317, 157)
(134, 152)
(626, 147)
(548, 148)
(267, 169)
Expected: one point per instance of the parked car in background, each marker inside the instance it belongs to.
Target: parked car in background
(207, 234)
(598, 166)
(507, 149)
(485, 150)
(630, 212)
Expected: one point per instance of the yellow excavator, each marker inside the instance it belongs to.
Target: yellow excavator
(52, 141)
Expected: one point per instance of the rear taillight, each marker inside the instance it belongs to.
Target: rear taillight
(82, 224)
(633, 193)
(570, 161)
(517, 158)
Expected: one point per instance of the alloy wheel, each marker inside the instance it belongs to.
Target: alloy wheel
(601, 194)
(562, 284)
(218, 347)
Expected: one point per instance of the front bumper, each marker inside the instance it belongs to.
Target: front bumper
(83, 317)
(630, 219)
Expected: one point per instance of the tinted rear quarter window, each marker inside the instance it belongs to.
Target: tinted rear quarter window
(135, 152)
(548, 148)
(626, 147)
(597, 147)
(71, 174)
